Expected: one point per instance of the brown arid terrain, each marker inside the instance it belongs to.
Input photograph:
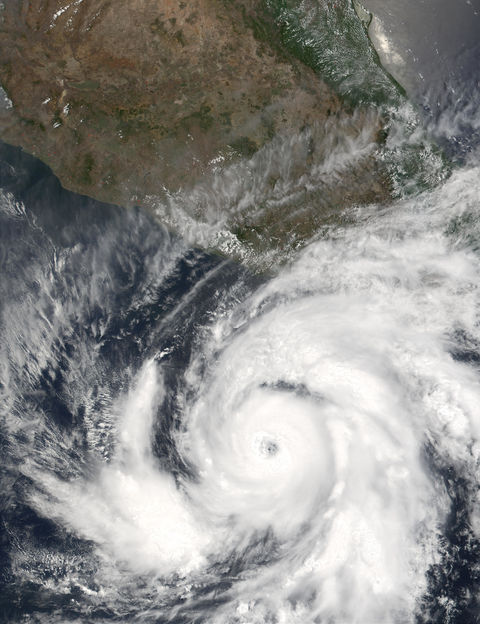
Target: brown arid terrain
(128, 100)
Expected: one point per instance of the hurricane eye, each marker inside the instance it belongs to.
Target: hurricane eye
(269, 447)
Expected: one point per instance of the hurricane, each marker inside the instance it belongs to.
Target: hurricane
(256, 449)
(189, 438)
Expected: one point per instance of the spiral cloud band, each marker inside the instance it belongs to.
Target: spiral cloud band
(307, 441)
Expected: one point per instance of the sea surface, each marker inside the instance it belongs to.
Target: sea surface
(432, 48)
(187, 439)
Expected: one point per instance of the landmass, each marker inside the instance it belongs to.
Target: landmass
(129, 100)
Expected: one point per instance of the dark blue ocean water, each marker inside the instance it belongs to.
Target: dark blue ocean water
(433, 49)
(128, 290)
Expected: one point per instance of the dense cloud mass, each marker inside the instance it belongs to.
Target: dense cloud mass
(186, 442)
